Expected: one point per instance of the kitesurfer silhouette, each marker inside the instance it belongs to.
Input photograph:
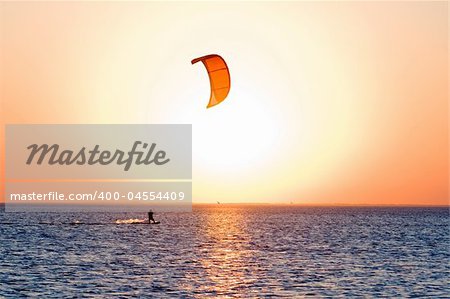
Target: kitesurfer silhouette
(150, 217)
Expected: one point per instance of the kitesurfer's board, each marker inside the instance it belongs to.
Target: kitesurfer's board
(157, 222)
(145, 223)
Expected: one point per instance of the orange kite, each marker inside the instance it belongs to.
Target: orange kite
(219, 77)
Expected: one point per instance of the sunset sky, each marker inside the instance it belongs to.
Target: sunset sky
(330, 102)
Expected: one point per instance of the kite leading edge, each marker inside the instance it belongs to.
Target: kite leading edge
(219, 77)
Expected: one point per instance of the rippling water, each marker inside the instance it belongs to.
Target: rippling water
(228, 251)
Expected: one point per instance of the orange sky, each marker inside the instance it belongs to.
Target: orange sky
(331, 102)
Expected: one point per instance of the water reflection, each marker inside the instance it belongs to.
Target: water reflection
(228, 252)
(225, 253)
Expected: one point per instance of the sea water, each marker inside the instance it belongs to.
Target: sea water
(228, 251)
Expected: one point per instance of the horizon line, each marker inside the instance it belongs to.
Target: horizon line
(2, 203)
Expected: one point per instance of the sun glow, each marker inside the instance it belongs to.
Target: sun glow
(328, 103)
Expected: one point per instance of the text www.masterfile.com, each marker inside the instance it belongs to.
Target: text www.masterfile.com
(99, 196)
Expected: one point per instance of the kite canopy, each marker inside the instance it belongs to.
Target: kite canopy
(219, 77)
